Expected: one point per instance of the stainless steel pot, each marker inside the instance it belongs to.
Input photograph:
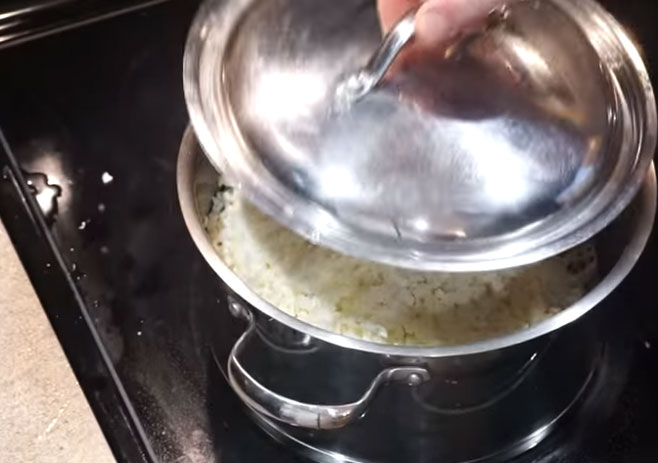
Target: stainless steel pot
(452, 388)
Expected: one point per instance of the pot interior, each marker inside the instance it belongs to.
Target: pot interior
(618, 248)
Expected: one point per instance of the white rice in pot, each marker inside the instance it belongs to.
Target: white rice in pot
(385, 304)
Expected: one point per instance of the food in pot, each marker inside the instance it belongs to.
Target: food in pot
(386, 304)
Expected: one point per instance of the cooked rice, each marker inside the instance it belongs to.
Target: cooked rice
(386, 304)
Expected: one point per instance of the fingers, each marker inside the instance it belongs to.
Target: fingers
(438, 21)
(391, 11)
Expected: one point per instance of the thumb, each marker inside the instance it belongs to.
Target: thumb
(439, 21)
(391, 11)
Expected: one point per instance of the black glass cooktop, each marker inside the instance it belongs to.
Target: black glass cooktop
(91, 121)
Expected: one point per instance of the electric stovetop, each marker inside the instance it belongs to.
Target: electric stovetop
(92, 119)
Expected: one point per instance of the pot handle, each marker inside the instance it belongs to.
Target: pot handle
(300, 414)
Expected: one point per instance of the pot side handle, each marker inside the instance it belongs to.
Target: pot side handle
(300, 414)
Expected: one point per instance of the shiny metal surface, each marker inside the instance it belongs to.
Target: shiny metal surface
(520, 143)
(293, 412)
(444, 450)
(478, 383)
(363, 81)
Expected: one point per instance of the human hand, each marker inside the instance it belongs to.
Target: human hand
(438, 21)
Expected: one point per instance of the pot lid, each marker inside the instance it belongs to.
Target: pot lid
(514, 144)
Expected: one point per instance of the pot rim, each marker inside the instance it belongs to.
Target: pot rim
(625, 263)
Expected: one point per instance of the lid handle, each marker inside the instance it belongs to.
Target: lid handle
(358, 84)
(365, 79)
